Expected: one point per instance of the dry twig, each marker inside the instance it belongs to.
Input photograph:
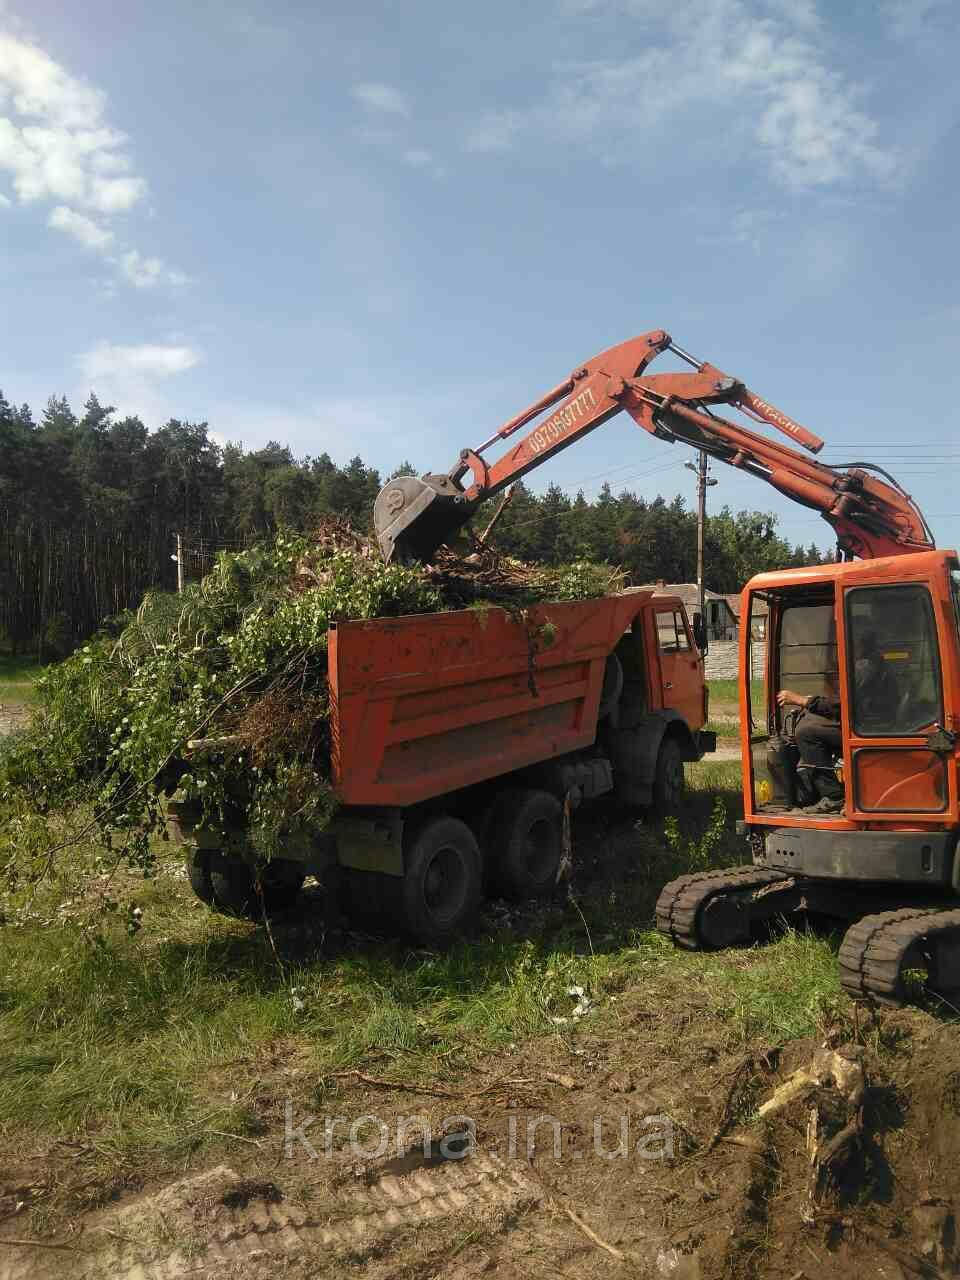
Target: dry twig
(592, 1235)
(41, 1244)
(726, 1115)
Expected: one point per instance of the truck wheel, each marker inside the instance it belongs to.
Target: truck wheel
(198, 873)
(669, 782)
(441, 887)
(629, 755)
(612, 685)
(633, 709)
(235, 892)
(526, 843)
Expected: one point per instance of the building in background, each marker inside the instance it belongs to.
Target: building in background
(720, 619)
(759, 622)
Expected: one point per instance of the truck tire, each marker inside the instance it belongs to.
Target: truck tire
(526, 843)
(669, 782)
(442, 882)
(235, 891)
(629, 755)
(633, 707)
(198, 873)
(612, 686)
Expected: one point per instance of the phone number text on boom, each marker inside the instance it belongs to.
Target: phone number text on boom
(556, 427)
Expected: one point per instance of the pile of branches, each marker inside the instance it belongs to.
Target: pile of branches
(238, 661)
(486, 577)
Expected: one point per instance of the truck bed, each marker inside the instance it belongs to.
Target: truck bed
(427, 704)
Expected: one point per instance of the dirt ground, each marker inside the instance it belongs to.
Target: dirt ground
(13, 715)
(639, 1153)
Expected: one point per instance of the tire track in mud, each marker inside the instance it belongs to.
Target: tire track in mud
(205, 1227)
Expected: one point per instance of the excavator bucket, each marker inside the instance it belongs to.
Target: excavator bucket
(413, 516)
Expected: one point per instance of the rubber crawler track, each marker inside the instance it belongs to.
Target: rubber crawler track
(873, 951)
(680, 901)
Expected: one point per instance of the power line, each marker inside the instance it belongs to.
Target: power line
(573, 510)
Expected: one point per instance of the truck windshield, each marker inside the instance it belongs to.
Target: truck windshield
(893, 664)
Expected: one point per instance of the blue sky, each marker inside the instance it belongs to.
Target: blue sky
(385, 228)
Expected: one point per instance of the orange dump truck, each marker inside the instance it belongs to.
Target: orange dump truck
(457, 738)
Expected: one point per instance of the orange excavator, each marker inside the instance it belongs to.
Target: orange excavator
(873, 641)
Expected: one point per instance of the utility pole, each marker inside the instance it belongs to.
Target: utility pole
(179, 559)
(703, 479)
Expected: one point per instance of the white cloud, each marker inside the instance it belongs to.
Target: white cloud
(112, 360)
(757, 69)
(146, 273)
(136, 378)
(4, 202)
(496, 131)
(387, 124)
(382, 97)
(421, 158)
(56, 145)
(82, 228)
(802, 13)
(62, 148)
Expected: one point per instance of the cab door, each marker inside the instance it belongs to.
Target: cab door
(681, 673)
(894, 760)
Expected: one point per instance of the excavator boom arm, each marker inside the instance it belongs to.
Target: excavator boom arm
(870, 516)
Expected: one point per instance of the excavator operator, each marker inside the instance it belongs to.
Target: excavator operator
(818, 736)
(819, 743)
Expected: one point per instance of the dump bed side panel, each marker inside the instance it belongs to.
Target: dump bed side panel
(424, 705)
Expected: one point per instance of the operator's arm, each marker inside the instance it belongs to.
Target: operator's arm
(819, 704)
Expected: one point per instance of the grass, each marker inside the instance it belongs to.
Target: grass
(728, 691)
(17, 679)
(725, 703)
(780, 991)
(124, 1036)
(147, 1043)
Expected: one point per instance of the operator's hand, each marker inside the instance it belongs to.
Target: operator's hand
(787, 698)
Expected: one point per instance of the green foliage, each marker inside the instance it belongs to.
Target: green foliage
(90, 506)
(648, 539)
(581, 580)
(704, 850)
(239, 658)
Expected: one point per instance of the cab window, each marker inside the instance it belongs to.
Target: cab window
(672, 633)
(893, 661)
(807, 656)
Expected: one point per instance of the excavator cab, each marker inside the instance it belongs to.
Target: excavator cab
(878, 641)
(801, 632)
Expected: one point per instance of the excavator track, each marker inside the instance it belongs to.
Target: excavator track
(878, 950)
(680, 910)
